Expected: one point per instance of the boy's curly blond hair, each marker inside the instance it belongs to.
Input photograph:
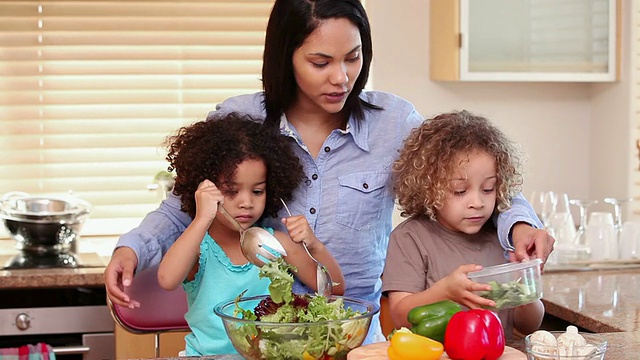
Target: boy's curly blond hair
(422, 173)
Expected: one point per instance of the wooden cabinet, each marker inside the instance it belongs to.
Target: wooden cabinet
(135, 346)
(524, 40)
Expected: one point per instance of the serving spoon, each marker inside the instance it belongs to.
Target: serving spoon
(256, 243)
(324, 282)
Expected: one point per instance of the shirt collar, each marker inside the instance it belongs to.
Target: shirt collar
(359, 131)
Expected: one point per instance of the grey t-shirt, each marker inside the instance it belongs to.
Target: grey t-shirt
(422, 252)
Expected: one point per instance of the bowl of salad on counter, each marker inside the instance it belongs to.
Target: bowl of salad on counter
(284, 325)
(512, 284)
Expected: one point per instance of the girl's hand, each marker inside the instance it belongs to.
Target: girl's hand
(300, 231)
(208, 196)
(462, 290)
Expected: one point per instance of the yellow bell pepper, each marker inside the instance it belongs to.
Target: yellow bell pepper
(406, 345)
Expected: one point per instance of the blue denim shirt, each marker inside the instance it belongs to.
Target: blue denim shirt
(347, 196)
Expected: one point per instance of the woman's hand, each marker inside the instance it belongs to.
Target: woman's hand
(119, 274)
(530, 242)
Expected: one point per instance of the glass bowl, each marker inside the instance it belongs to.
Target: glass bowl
(597, 348)
(513, 284)
(331, 339)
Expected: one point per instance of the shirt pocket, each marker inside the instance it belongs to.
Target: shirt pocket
(360, 198)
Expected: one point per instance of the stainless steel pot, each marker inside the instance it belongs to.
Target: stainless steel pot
(43, 225)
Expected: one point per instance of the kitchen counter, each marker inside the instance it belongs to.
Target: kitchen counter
(621, 346)
(601, 301)
(48, 278)
(598, 301)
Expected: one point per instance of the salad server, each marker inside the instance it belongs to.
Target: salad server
(256, 243)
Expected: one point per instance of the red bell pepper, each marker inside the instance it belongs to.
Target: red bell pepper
(474, 335)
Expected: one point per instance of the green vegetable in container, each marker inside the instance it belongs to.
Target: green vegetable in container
(510, 294)
(431, 320)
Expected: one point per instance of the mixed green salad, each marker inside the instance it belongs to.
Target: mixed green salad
(327, 329)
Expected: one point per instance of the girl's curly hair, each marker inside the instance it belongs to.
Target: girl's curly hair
(422, 172)
(214, 148)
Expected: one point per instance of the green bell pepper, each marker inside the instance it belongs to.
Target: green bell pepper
(431, 320)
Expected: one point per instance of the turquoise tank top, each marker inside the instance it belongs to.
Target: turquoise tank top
(217, 280)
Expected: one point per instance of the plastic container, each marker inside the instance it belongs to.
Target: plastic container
(513, 284)
(595, 349)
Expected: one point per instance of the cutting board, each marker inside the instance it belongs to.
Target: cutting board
(378, 351)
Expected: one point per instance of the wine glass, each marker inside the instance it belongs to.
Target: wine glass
(536, 199)
(617, 214)
(580, 239)
(549, 203)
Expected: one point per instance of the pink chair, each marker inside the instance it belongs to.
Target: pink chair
(160, 310)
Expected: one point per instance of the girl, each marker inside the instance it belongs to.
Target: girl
(317, 58)
(233, 162)
(453, 174)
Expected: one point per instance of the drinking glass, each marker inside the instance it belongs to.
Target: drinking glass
(617, 202)
(549, 203)
(601, 236)
(629, 240)
(536, 199)
(583, 205)
(578, 249)
(560, 221)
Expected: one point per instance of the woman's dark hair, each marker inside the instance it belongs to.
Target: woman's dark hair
(290, 23)
(214, 148)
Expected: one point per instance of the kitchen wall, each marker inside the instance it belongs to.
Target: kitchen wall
(576, 135)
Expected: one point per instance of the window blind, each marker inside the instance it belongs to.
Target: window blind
(89, 90)
(558, 34)
(547, 36)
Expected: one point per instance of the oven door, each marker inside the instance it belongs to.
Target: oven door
(77, 326)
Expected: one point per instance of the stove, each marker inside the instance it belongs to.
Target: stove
(75, 321)
(13, 258)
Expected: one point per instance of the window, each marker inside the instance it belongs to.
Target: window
(90, 89)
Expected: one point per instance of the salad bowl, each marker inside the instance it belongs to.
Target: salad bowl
(320, 339)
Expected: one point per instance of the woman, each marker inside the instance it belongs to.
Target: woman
(316, 62)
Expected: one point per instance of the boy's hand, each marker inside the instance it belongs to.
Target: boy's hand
(461, 289)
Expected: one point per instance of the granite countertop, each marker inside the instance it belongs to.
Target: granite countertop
(47, 278)
(598, 301)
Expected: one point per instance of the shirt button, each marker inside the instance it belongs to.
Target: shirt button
(314, 176)
(327, 149)
(307, 182)
(312, 210)
(365, 185)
